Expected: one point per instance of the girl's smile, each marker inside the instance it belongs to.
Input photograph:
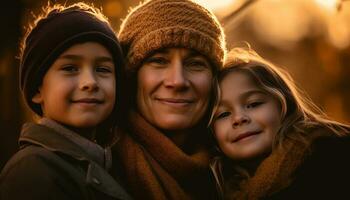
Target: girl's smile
(247, 118)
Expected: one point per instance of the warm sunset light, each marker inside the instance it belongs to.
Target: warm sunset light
(215, 4)
(328, 4)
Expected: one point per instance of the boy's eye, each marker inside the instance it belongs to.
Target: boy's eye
(104, 69)
(69, 68)
(222, 115)
(254, 104)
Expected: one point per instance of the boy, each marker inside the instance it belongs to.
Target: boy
(70, 74)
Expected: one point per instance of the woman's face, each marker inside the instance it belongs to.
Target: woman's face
(247, 118)
(173, 88)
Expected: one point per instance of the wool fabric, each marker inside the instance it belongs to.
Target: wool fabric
(157, 24)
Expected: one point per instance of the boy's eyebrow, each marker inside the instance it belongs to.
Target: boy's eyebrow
(78, 57)
(104, 59)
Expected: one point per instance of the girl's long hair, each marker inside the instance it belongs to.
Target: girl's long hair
(298, 112)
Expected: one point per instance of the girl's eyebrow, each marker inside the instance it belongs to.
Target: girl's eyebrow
(252, 92)
(244, 95)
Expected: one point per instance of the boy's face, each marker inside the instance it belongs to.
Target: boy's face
(79, 88)
(247, 118)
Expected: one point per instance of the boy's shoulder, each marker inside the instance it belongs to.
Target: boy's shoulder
(33, 168)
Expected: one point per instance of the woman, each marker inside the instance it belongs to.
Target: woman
(173, 50)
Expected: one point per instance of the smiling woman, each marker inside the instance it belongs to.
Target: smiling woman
(165, 147)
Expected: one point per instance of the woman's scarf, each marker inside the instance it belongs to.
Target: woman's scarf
(153, 167)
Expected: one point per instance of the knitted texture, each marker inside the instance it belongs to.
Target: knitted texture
(153, 167)
(157, 24)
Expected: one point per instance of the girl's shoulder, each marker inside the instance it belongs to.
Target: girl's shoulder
(324, 172)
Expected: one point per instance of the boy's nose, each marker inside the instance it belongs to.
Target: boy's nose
(88, 81)
(176, 76)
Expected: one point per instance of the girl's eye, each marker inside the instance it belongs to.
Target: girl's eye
(254, 104)
(69, 68)
(222, 115)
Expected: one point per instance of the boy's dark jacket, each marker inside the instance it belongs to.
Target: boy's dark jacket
(49, 166)
(317, 169)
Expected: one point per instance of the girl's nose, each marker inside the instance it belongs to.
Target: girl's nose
(239, 119)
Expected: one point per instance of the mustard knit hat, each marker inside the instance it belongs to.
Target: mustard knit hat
(156, 24)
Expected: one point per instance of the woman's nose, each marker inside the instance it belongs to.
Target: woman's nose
(176, 76)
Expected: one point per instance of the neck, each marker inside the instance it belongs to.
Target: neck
(252, 165)
(187, 140)
(88, 133)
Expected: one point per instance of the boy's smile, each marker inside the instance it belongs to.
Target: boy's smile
(78, 90)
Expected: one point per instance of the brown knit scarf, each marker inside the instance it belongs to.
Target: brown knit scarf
(275, 172)
(155, 168)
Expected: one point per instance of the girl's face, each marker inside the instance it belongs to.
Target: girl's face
(247, 118)
(173, 88)
(79, 88)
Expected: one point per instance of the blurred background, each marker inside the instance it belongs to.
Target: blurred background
(309, 38)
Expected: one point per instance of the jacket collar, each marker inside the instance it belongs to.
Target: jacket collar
(50, 139)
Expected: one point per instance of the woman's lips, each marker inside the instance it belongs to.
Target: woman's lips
(175, 101)
(245, 135)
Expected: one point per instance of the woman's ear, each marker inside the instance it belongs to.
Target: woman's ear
(37, 98)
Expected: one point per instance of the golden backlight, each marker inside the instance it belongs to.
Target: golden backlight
(215, 4)
(328, 4)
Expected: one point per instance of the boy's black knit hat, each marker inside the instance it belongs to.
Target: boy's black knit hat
(53, 35)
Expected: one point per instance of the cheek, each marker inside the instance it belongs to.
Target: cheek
(203, 85)
(272, 120)
(219, 131)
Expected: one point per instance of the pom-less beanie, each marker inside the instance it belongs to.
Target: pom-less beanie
(52, 36)
(157, 24)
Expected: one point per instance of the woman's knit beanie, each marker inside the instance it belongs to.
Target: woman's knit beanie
(157, 24)
(52, 36)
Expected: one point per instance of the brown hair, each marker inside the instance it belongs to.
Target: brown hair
(298, 112)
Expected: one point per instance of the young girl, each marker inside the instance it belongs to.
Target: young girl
(70, 75)
(274, 142)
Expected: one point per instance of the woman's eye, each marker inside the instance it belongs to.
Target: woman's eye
(197, 65)
(157, 61)
(254, 104)
(222, 115)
